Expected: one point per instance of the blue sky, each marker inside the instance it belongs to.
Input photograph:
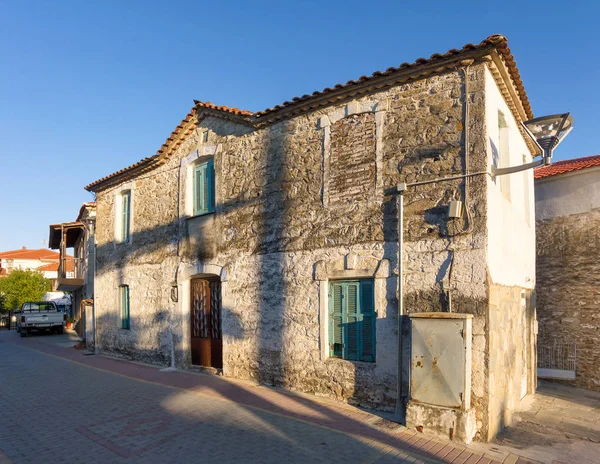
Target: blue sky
(87, 88)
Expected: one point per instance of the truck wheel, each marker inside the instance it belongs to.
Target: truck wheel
(60, 331)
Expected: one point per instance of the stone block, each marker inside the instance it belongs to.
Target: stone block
(441, 422)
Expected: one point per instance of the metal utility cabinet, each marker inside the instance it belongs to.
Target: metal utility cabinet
(440, 379)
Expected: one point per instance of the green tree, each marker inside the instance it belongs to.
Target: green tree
(23, 285)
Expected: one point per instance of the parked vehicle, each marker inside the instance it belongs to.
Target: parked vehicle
(41, 316)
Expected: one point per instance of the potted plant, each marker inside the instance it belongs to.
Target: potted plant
(69, 324)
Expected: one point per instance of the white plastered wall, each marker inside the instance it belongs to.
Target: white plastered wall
(572, 193)
(511, 223)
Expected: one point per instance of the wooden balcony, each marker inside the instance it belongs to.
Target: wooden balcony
(70, 270)
(70, 277)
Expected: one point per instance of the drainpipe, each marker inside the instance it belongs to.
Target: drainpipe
(400, 396)
(94, 325)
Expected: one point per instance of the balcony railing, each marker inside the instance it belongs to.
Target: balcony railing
(71, 273)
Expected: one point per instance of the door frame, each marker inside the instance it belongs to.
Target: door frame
(210, 347)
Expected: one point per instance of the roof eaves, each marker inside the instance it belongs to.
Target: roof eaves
(91, 205)
(405, 72)
(183, 129)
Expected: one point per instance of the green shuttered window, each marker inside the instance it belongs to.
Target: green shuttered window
(204, 188)
(352, 320)
(126, 219)
(125, 315)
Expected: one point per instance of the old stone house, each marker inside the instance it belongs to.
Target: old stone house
(265, 244)
(567, 210)
(78, 236)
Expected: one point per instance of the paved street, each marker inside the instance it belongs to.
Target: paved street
(560, 424)
(58, 409)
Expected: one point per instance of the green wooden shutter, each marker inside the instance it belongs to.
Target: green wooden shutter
(125, 318)
(352, 342)
(126, 198)
(336, 338)
(196, 181)
(369, 320)
(204, 188)
(210, 186)
(199, 189)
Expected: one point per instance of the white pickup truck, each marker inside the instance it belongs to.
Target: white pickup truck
(40, 315)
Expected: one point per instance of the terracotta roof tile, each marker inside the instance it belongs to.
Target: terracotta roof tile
(41, 253)
(51, 267)
(226, 109)
(48, 267)
(562, 167)
(149, 161)
(494, 42)
(497, 41)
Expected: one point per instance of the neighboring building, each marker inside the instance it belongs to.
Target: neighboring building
(567, 209)
(265, 244)
(77, 278)
(43, 260)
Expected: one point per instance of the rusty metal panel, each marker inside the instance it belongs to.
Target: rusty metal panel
(441, 359)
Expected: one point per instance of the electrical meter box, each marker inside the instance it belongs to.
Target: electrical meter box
(441, 359)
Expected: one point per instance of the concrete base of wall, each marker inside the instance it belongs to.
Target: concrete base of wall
(455, 424)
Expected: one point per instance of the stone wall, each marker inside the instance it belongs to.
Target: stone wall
(352, 177)
(308, 194)
(511, 374)
(568, 295)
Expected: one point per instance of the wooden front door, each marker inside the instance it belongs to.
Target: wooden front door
(207, 343)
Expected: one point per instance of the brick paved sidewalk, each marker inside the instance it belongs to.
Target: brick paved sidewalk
(395, 441)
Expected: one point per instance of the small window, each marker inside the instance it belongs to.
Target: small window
(504, 151)
(126, 216)
(204, 188)
(125, 315)
(352, 320)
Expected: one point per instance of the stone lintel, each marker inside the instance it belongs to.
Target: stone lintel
(352, 267)
(351, 109)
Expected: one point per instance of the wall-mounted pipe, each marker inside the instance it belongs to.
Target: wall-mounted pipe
(400, 395)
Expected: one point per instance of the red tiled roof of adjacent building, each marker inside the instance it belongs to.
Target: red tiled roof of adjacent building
(24, 253)
(562, 167)
(420, 68)
(54, 266)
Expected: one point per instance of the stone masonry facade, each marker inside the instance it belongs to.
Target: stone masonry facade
(301, 202)
(568, 293)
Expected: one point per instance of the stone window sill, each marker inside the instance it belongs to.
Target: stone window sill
(193, 216)
(342, 360)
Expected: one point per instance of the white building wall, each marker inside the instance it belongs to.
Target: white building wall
(565, 194)
(511, 222)
(32, 264)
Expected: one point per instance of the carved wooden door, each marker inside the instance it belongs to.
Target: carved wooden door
(206, 339)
